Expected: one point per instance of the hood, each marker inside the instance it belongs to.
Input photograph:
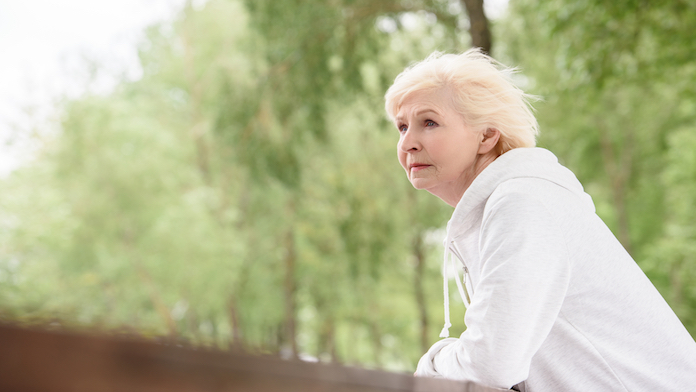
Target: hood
(516, 163)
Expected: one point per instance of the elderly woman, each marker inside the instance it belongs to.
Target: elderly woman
(554, 302)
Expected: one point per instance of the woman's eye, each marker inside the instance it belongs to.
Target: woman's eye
(430, 123)
(403, 128)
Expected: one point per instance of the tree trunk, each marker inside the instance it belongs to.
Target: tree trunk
(234, 324)
(619, 169)
(195, 87)
(376, 335)
(157, 302)
(156, 299)
(676, 279)
(290, 289)
(327, 337)
(418, 289)
(478, 25)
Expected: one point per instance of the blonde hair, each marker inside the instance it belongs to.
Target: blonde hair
(483, 93)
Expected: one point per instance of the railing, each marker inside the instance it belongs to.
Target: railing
(40, 361)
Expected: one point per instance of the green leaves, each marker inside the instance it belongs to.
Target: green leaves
(616, 78)
(246, 191)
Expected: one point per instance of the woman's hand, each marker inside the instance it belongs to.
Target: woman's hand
(426, 365)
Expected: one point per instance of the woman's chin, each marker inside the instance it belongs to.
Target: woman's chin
(419, 183)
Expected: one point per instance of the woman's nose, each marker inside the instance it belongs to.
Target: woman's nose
(409, 142)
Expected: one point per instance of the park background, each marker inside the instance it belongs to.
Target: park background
(241, 190)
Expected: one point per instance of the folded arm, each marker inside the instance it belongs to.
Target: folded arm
(523, 281)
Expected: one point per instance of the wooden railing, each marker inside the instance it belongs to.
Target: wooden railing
(40, 361)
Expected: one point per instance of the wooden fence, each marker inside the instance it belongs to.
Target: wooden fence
(41, 361)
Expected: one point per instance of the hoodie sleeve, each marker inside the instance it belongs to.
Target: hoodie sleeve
(523, 280)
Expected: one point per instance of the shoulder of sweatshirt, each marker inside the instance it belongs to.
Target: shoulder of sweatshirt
(547, 193)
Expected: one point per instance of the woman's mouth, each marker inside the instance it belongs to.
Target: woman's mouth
(418, 166)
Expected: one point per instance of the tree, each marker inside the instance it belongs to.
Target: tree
(613, 78)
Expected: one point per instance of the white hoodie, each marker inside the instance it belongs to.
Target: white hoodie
(556, 303)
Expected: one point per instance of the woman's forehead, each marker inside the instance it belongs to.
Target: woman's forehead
(437, 101)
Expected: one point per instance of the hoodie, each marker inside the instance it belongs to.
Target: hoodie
(554, 302)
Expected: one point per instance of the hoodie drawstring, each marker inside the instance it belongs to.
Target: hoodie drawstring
(463, 292)
(445, 286)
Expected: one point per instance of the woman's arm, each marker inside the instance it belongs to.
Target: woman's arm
(523, 281)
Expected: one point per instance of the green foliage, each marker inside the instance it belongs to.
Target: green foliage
(245, 191)
(618, 80)
(672, 257)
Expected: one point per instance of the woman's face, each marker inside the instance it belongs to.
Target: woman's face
(436, 149)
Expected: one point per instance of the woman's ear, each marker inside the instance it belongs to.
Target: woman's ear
(489, 141)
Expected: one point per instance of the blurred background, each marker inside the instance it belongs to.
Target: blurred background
(221, 173)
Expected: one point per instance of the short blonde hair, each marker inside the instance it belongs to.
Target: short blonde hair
(483, 94)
